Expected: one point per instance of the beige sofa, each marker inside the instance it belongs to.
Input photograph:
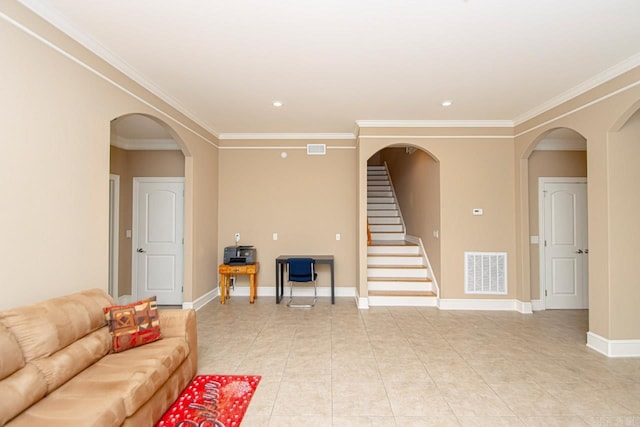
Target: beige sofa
(56, 369)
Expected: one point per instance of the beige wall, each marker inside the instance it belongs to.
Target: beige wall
(475, 172)
(548, 164)
(623, 154)
(55, 123)
(594, 115)
(416, 180)
(305, 199)
(137, 163)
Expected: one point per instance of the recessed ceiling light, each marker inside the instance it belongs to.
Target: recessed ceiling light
(447, 103)
(277, 103)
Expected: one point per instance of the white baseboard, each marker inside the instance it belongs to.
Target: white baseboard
(306, 291)
(485, 304)
(613, 348)
(203, 300)
(536, 305)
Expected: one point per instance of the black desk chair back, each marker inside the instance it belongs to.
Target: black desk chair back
(302, 270)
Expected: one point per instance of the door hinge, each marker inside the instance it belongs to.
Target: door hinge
(545, 292)
(545, 243)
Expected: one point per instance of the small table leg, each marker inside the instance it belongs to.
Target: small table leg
(252, 288)
(223, 287)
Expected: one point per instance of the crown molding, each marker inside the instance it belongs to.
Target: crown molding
(145, 144)
(609, 74)
(434, 123)
(249, 136)
(50, 15)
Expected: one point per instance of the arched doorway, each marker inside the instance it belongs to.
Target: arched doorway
(557, 192)
(146, 160)
(403, 213)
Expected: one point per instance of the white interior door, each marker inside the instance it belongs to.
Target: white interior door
(158, 227)
(565, 245)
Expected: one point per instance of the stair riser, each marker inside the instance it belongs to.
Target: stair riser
(385, 206)
(384, 220)
(380, 200)
(393, 250)
(387, 236)
(401, 286)
(382, 212)
(408, 261)
(379, 301)
(420, 273)
(379, 194)
(386, 228)
(378, 187)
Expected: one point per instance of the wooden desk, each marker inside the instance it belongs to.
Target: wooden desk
(227, 270)
(282, 260)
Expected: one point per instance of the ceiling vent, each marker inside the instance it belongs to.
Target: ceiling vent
(485, 273)
(316, 149)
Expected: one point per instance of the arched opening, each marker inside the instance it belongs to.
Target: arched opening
(403, 213)
(147, 171)
(558, 238)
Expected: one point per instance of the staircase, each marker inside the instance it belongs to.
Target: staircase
(397, 272)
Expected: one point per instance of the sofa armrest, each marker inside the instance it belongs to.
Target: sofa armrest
(180, 323)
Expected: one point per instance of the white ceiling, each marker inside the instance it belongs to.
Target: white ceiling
(336, 62)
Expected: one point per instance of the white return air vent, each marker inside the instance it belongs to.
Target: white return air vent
(316, 149)
(485, 273)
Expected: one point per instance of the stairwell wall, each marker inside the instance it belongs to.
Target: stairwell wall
(416, 179)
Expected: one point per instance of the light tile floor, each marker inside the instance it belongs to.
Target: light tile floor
(400, 366)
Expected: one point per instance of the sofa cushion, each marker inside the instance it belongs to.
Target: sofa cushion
(133, 324)
(44, 328)
(19, 391)
(10, 354)
(66, 363)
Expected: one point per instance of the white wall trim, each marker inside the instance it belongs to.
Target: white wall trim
(405, 137)
(114, 238)
(298, 291)
(609, 74)
(203, 300)
(485, 304)
(46, 14)
(435, 123)
(613, 348)
(363, 302)
(537, 305)
(285, 147)
(250, 136)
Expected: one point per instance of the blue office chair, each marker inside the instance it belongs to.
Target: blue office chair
(302, 270)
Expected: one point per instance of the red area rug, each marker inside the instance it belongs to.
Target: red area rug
(212, 401)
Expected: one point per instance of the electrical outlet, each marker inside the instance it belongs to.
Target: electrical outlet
(275, 236)
(338, 237)
(237, 237)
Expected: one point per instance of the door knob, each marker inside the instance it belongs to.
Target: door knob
(140, 250)
(586, 251)
(579, 251)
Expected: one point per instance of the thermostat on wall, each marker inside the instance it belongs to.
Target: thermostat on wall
(478, 211)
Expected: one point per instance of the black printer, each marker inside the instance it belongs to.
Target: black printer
(239, 255)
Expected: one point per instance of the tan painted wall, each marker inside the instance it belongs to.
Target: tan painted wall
(548, 164)
(475, 172)
(624, 153)
(137, 163)
(305, 199)
(416, 180)
(598, 112)
(55, 126)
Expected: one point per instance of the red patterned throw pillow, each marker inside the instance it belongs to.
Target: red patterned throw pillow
(133, 324)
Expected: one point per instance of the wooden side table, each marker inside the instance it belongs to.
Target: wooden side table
(227, 270)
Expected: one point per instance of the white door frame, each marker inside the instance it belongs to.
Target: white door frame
(134, 226)
(541, 227)
(114, 233)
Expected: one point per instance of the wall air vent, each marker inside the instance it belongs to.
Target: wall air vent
(485, 273)
(316, 149)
